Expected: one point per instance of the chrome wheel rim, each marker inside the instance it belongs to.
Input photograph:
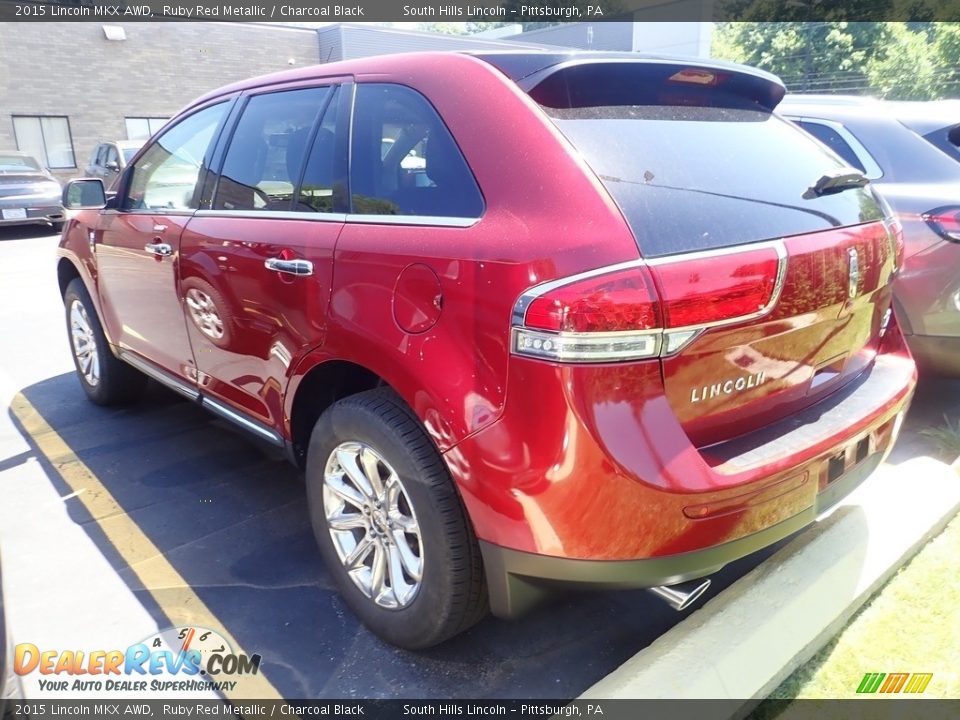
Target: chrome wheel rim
(204, 313)
(84, 344)
(373, 525)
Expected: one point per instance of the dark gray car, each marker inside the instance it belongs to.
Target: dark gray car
(29, 195)
(109, 158)
(911, 153)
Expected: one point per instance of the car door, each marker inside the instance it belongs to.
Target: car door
(111, 164)
(257, 264)
(96, 161)
(137, 245)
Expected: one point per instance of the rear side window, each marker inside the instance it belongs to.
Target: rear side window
(697, 178)
(403, 160)
(266, 155)
(831, 138)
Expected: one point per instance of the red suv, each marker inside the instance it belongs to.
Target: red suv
(525, 319)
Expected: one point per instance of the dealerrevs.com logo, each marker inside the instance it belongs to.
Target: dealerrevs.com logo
(181, 659)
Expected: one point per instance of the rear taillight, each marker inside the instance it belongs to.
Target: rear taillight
(642, 310)
(717, 289)
(610, 315)
(945, 222)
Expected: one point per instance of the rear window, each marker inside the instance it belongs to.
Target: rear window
(946, 139)
(698, 178)
(18, 163)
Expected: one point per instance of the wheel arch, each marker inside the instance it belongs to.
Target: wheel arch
(67, 272)
(316, 388)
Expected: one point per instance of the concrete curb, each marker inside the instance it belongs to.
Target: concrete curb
(742, 644)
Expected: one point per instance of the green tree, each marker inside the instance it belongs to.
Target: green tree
(808, 56)
(905, 66)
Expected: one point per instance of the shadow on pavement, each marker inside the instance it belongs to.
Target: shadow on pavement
(231, 518)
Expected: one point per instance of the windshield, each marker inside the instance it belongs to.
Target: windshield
(699, 178)
(128, 153)
(18, 164)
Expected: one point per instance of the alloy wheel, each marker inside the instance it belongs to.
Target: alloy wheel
(373, 525)
(84, 343)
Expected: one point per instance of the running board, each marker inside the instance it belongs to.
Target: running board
(218, 408)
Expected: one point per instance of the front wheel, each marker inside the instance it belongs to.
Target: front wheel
(390, 524)
(105, 379)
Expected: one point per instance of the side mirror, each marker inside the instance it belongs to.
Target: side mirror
(112, 165)
(84, 193)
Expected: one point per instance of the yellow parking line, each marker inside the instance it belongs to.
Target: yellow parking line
(169, 589)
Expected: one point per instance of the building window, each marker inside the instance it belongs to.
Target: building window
(141, 128)
(47, 138)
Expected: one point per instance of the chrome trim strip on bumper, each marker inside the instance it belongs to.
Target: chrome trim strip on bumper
(237, 418)
(161, 376)
(165, 378)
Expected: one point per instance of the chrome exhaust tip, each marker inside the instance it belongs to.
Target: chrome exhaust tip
(682, 595)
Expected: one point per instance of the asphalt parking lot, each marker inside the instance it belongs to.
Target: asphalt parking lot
(229, 517)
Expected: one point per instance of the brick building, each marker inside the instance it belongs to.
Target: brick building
(64, 87)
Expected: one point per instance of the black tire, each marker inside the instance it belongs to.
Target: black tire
(118, 383)
(452, 593)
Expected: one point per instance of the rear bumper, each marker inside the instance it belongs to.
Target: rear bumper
(593, 490)
(34, 215)
(518, 581)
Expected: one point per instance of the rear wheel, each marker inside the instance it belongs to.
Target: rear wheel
(105, 379)
(390, 524)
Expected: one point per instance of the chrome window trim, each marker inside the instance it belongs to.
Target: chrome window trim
(531, 294)
(274, 215)
(428, 220)
(421, 220)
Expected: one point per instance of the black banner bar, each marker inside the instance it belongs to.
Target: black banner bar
(552, 11)
(876, 708)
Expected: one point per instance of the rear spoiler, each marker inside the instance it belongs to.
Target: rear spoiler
(592, 82)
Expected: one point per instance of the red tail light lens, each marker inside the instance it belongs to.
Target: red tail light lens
(717, 289)
(614, 302)
(945, 222)
(641, 310)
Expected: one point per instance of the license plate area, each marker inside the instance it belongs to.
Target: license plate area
(14, 213)
(844, 461)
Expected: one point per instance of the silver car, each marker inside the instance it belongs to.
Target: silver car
(29, 195)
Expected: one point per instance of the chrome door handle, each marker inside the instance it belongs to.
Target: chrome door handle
(159, 249)
(290, 267)
(158, 228)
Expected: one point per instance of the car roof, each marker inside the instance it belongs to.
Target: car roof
(18, 153)
(515, 64)
(921, 115)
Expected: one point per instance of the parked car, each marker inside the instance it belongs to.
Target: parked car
(29, 195)
(911, 153)
(635, 327)
(108, 159)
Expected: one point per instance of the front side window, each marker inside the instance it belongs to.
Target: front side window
(47, 139)
(404, 161)
(165, 177)
(265, 159)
